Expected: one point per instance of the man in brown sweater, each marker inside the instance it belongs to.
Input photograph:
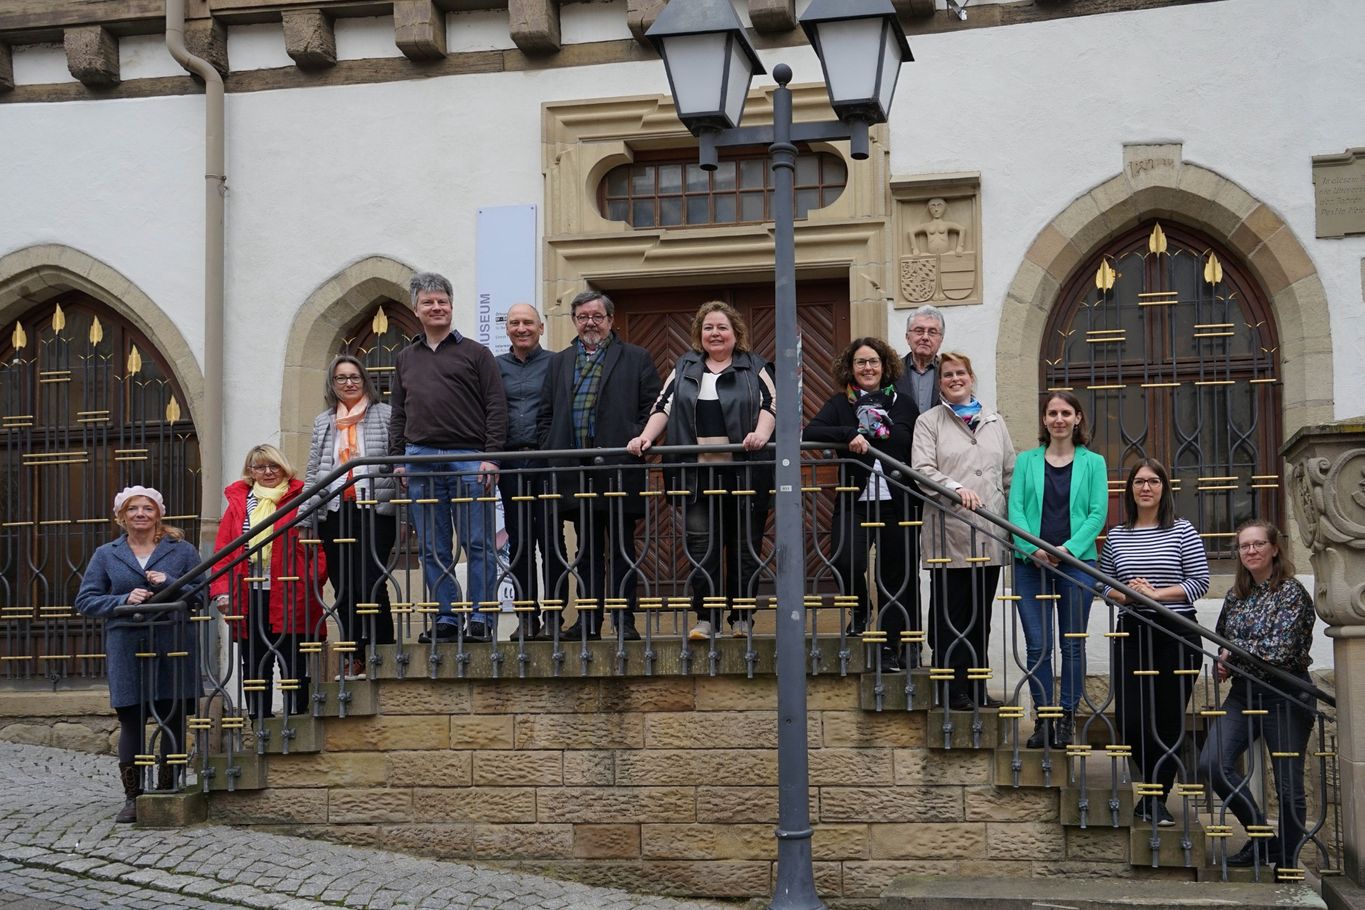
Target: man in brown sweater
(448, 400)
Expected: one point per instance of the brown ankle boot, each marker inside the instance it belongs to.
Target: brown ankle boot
(165, 777)
(128, 774)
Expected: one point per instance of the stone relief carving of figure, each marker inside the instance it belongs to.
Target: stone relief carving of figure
(942, 268)
(936, 230)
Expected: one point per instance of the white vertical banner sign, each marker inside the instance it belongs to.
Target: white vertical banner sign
(504, 274)
(504, 269)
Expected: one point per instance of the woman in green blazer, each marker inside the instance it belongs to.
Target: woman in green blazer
(1060, 494)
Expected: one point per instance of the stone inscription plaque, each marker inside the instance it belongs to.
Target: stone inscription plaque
(1339, 191)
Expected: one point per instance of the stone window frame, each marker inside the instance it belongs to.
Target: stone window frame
(583, 139)
(825, 189)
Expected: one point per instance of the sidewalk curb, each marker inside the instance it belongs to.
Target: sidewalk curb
(154, 879)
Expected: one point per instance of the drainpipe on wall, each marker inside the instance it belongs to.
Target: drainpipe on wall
(209, 422)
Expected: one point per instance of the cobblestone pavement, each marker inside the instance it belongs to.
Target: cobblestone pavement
(60, 849)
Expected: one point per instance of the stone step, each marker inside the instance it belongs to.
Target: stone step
(286, 735)
(963, 729)
(1030, 767)
(888, 693)
(357, 698)
(912, 892)
(1167, 847)
(1091, 807)
(240, 771)
(664, 656)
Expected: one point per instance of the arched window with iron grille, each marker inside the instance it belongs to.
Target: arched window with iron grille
(87, 407)
(377, 337)
(1172, 348)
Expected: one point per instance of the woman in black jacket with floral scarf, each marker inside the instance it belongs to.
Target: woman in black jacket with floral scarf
(868, 412)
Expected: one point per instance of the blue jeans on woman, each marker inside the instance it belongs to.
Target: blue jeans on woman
(1072, 614)
(1285, 729)
(444, 524)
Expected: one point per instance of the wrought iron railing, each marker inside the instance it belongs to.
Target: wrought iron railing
(659, 579)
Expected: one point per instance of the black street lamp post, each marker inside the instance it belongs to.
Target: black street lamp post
(710, 64)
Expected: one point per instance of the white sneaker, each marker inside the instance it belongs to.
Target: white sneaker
(740, 628)
(700, 632)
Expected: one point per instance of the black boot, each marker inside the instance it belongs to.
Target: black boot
(1064, 729)
(625, 623)
(1257, 850)
(528, 627)
(1042, 732)
(129, 776)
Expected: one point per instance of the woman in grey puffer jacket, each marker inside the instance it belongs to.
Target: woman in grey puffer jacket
(355, 425)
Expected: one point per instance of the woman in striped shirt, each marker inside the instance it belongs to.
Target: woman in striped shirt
(1162, 558)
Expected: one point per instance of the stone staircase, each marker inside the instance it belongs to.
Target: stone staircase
(599, 778)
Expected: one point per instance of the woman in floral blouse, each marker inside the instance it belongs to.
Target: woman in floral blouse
(1269, 614)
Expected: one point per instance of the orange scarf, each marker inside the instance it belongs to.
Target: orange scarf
(346, 425)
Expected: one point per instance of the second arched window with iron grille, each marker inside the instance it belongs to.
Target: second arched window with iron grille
(1172, 347)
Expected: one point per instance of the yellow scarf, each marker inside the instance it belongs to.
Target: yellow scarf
(267, 501)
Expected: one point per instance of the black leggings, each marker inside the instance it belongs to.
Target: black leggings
(1150, 710)
(170, 714)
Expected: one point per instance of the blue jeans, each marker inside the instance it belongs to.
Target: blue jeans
(1036, 617)
(443, 524)
(1285, 729)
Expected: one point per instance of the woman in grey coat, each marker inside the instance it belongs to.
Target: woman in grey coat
(355, 425)
(162, 689)
(964, 446)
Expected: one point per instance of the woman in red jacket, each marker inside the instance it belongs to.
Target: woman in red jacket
(273, 599)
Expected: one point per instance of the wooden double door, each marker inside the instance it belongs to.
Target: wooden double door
(660, 321)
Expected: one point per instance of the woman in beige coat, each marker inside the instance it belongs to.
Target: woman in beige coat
(966, 448)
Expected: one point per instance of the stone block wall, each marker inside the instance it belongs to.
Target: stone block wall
(663, 785)
(79, 719)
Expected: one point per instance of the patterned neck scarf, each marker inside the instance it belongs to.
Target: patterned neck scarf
(587, 382)
(347, 418)
(969, 412)
(873, 409)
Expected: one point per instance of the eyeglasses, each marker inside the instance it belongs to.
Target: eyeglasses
(1253, 546)
(921, 330)
(346, 380)
(1146, 481)
(266, 469)
(594, 318)
(868, 362)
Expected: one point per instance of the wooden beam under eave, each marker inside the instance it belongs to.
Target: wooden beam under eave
(207, 39)
(419, 29)
(6, 68)
(92, 54)
(773, 15)
(309, 38)
(640, 15)
(914, 9)
(534, 25)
